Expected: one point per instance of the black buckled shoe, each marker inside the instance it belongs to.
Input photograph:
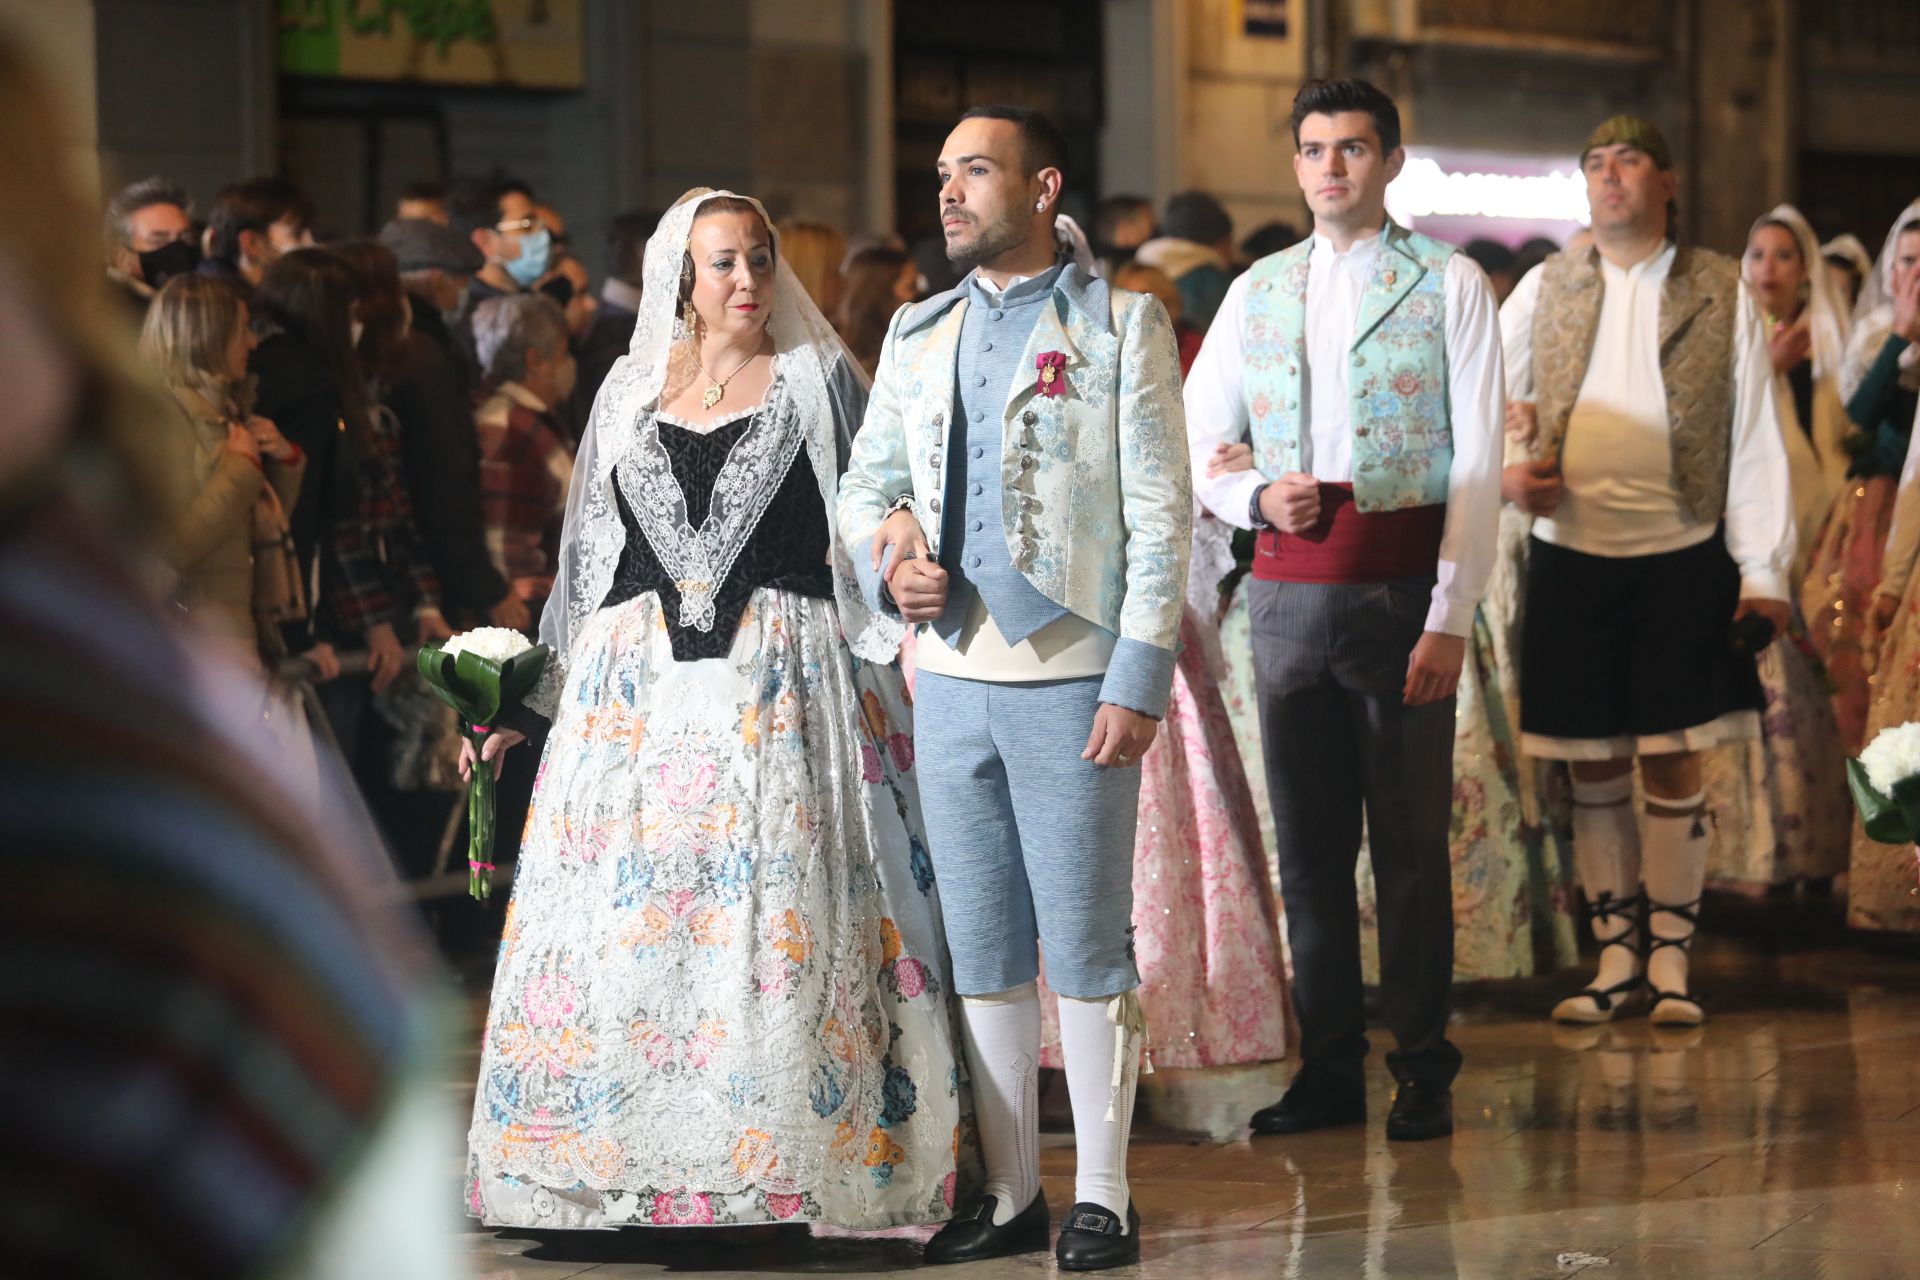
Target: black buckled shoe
(1314, 1102)
(971, 1235)
(1420, 1113)
(1091, 1238)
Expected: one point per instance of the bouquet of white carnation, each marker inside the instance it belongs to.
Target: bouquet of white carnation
(479, 673)
(1886, 785)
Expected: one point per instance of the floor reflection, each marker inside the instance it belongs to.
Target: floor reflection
(1780, 1141)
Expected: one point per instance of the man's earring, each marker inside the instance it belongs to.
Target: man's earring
(1040, 206)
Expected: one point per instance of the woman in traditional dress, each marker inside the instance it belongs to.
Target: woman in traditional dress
(720, 997)
(1213, 977)
(1780, 805)
(1875, 379)
(1881, 884)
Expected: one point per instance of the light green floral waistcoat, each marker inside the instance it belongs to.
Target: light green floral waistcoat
(1402, 429)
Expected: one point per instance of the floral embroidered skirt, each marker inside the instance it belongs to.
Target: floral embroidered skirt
(1883, 891)
(1837, 598)
(721, 996)
(1213, 977)
(1780, 806)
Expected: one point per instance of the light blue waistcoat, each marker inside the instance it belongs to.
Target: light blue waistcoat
(973, 547)
(1397, 379)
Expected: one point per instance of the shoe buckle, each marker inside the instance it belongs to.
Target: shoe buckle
(978, 1210)
(1098, 1222)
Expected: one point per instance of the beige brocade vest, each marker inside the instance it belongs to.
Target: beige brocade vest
(1699, 305)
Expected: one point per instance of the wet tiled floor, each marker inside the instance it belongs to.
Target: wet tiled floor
(1780, 1142)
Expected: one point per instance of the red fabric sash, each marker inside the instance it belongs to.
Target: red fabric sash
(1350, 545)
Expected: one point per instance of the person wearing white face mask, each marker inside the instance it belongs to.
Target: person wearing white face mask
(501, 220)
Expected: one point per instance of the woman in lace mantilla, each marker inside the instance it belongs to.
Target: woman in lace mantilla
(720, 996)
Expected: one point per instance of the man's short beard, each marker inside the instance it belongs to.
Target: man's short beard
(1009, 232)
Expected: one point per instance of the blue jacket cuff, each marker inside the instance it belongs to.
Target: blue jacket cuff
(1139, 678)
(873, 582)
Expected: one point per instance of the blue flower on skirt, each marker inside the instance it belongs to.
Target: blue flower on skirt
(633, 878)
(898, 1098)
(828, 1093)
(920, 863)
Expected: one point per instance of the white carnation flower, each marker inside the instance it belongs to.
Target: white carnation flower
(1892, 757)
(495, 644)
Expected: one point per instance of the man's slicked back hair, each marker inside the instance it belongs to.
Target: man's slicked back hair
(1041, 145)
(1331, 97)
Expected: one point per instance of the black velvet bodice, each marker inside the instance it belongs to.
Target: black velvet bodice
(786, 551)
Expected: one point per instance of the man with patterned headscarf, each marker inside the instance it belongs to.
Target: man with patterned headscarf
(1659, 559)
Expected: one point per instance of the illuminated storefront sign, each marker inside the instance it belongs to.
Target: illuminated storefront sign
(1429, 188)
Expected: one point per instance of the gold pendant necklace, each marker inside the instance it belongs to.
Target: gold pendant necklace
(717, 387)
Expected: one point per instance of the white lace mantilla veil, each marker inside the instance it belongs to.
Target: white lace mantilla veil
(1873, 312)
(821, 382)
(1828, 318)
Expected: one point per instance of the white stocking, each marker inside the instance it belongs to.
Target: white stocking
(1674, 833)
(1002, 1034)
(1606, 854)
(1101, 1041)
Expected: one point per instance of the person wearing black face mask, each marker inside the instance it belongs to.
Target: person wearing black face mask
(150, 239)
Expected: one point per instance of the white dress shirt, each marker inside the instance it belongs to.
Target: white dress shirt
(1616, 461)
(1217, 411)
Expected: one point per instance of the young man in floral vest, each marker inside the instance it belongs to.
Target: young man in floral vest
(1364, 363)
(1020, 486)
(1661, 546)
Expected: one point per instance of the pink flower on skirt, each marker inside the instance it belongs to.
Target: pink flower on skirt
(678, 1209)
(900, 747)
(474, 1206)
(783, 1207)
(869, 764)
(911, 977)
(549, 999)
(946, 1189)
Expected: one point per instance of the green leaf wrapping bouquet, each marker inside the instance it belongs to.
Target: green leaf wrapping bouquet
(1885, 781)
(480, 673)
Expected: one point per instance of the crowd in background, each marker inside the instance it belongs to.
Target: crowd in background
(379, 432)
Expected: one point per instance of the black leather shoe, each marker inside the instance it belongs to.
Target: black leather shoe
(1420, 1112)
(1314, 1102)
(972, 1236)
(1090, 1238)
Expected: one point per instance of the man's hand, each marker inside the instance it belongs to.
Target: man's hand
(1534, 487)
(918, 584)
(1120, 737)
(1433, 673)
(493, 751)
(1778, 612)
(1228, 458)
(919, 589)
(510, 612)
(1291, 504)
(1788, 346)
(1523, 421)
